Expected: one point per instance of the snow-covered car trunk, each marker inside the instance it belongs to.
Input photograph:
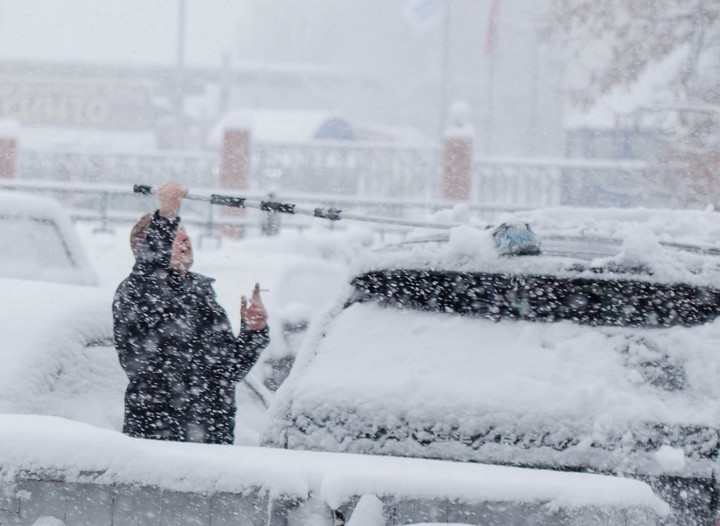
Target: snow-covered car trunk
(570, 360)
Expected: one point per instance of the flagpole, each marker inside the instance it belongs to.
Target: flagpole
(490, 45)
(444, 59)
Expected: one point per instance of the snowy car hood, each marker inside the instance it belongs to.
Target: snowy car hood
(382, 378)
(45, 328)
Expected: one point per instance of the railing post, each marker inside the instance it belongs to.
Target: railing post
(270, 220)
(458, 154)
(210, 228)
(104, 214)
(8, 149)
(235, 170)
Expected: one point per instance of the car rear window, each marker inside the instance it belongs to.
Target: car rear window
(27, 243)
(588, 301)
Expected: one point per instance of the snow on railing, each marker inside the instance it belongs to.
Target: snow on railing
(343, 167)
(541, 182)
(359, 170)
(193, 168)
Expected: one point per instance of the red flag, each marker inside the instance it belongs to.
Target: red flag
(492, 27)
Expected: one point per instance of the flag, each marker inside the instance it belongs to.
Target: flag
(491, 35)
(422, 14)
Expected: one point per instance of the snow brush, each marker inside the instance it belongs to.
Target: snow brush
(331, 214)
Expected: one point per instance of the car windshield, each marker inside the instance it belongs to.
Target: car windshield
(587, 301)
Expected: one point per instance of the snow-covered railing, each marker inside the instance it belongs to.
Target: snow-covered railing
(155, 167)
(357, 169)
(80, 474)
(349, 168)
(541, 182)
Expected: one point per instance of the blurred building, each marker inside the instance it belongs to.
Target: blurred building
(492, 55)
(131, 106)
(366, 61)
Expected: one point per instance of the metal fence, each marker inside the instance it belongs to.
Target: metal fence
(360, 171)
(197, 169)
(533, 183)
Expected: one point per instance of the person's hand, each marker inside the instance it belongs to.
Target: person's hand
(169, 196)
(254, 316)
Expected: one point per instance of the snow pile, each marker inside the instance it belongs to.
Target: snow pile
(368, 512)
(48, 521)
(670, 458)
(686, 226)
(274, 125)
(79, 452)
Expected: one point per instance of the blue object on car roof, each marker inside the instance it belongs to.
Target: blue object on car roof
(516, 240)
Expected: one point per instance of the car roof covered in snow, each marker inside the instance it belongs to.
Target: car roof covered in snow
(653, 245)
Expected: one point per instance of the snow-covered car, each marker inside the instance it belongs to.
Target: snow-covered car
(55, 323)
(591, 344)
(54, 353)
(38, 242)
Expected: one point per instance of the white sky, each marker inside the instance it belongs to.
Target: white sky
(119, 31)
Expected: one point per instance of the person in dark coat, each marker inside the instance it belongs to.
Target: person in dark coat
(174, 340)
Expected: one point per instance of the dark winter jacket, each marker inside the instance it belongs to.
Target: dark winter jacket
(177, 348)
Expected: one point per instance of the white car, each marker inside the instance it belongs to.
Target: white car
(52, 319)
(38, 242)
(568, 350)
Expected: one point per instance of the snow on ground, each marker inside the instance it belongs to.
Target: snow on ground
(78, 451)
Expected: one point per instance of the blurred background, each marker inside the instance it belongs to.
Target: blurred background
(513, 102)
